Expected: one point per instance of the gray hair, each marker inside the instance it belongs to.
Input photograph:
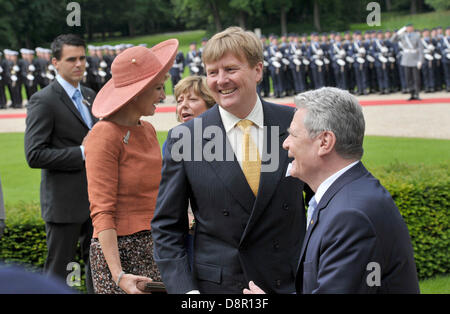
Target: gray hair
(335, 110)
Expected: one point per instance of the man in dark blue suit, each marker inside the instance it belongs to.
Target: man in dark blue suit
(249, 216)
(356, 240)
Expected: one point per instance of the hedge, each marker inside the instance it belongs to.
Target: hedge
(420, 192)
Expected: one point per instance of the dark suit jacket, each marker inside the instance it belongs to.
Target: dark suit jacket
(355, 223)
(237, 237)
(53, 135)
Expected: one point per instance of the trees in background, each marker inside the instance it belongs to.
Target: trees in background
(25, 23)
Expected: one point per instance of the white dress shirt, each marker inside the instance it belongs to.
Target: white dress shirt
(325, 185)
(235, 134)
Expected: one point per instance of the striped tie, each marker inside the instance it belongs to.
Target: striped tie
(251, 161)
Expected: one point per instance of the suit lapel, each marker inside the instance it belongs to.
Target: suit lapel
(352, 174)
(65, 99)
(228, 171)
(269, 179)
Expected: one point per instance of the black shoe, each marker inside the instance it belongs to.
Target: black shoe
(411, 97)
(416, 97)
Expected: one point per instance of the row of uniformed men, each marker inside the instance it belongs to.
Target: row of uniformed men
(37, 72)
(361, 63)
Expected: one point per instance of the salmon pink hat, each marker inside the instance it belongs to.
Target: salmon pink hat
(133, 71)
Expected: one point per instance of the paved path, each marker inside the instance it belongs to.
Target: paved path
(388, 115)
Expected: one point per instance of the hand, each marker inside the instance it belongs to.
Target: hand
(419, 65)
(401, 30)
(85, 139)
(128, 283)
(253, 289)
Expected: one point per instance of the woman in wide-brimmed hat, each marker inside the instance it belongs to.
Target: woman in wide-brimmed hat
(123, 164)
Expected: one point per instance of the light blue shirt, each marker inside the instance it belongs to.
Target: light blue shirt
(70, 91)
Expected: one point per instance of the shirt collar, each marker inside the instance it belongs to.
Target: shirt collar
(325, 185)
(70, 90)
(256, 116)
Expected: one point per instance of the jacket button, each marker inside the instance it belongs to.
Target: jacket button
(278, 283)
(226, 213)
(276, 245)
(285, 206)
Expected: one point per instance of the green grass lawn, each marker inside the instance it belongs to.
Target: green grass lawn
(396, 20)
(20, 183)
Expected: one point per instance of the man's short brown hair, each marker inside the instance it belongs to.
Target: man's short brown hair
(237, 41)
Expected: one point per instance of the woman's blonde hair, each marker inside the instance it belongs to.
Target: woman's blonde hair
(197, 85)
(237, 41)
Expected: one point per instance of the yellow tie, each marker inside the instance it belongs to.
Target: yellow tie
(251, 162)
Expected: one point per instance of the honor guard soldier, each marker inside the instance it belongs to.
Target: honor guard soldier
(275, 67)
(287, 79)
(51, 71)
(28, 72)
(92, 65)
(412, 58)
(338, 61)
(380, 51)
(194, 60)
(102, 70)
(203, 43)
(176, 71)
(41, 65)
(2, 84)
(358, 53)
(393, 62)
(296, 66)
(304, 45)
(428, 67)
(347, 44)
(370, 60)
(317, 65)
(444, 49)
(325, 46)
(263, 87)
(438, 69)
(13, 78)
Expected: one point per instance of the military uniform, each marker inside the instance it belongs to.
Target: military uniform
(2, 85)
(275, 68)
(194, 61)
(13, 78)
(339, 63)
(358, 54)
(429, 65)
(380, 52)
(412, 59)
(176, 71)
(444, 49)
(28, 72)
(263, 87)
(317, 65)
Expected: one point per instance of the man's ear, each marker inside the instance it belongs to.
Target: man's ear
(55, 62)
(327, 143)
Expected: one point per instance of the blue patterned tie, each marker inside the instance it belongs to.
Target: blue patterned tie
(311, 208)
(84, 111)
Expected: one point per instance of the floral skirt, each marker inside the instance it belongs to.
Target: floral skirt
(136, 257)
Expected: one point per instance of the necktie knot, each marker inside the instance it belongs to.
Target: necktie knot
(244, 125)
(77, 95)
